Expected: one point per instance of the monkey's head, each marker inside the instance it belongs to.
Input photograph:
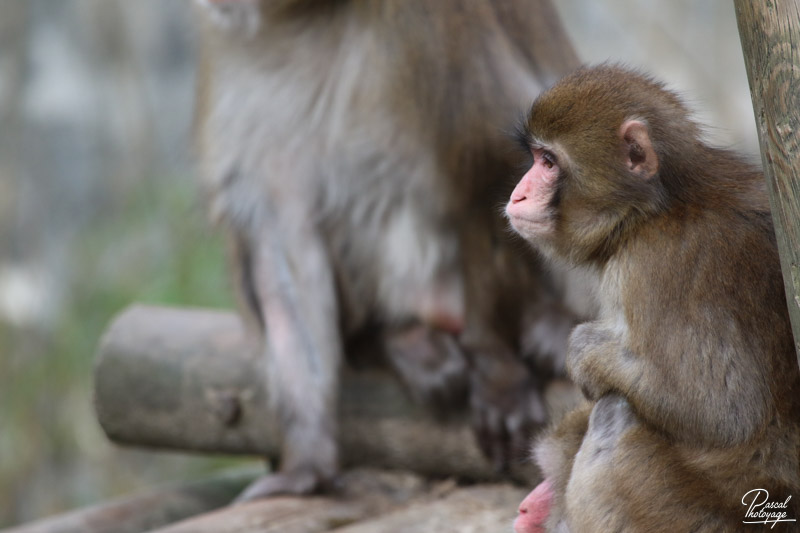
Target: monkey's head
(605, 142)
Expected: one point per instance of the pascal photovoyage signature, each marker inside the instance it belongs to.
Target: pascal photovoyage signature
(762, 511)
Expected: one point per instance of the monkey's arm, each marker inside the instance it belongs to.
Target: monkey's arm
(592, 351)
(719, 409)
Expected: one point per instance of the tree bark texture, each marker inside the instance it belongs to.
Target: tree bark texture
(770, 34)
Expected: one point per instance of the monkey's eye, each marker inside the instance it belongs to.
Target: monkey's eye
(548, 160)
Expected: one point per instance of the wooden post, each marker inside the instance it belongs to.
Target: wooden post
(770, 33)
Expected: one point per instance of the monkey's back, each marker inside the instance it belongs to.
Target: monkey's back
(718, 312)
(386, 129)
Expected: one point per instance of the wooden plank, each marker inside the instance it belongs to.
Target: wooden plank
(482, 508)
(770, 33)
(363, 494)
(152, 509)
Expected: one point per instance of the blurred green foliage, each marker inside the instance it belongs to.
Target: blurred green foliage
(151, 244)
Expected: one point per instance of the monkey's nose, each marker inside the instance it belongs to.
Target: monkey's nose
(518, 197)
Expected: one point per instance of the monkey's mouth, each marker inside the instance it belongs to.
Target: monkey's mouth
(531, 228)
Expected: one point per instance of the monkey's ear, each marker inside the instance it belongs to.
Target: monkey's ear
(640, 157)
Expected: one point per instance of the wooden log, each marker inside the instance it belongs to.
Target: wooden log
(152, 509)
(371, 503)
(770, 32)
(189, 380)
(484, 508)
(363, 494)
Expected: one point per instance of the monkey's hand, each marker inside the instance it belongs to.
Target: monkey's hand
(507, 407)
(432, 366)
(590, 349)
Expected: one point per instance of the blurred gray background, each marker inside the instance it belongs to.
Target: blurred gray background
(98, 206)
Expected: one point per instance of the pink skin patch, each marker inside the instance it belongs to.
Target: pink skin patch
(528, 209)
(442, 310)
(441, 304)
(534, 509)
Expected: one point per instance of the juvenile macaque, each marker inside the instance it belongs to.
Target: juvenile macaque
(691, 362)
(353, 149)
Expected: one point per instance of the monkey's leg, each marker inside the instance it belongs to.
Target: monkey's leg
(505, 404)
(544, 508)
(294, 284)
(627, 478)
(431, 364)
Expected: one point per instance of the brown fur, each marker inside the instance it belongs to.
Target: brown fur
(693, 342)
(354, 149)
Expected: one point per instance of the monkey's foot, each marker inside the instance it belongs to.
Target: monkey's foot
(296, 483)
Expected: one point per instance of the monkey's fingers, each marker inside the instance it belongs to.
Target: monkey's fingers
(492, 435)
(504, 420)
(494, 439)
(528, 416)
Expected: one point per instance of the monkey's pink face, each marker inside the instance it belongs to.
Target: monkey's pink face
(530, 208)
(534, 509)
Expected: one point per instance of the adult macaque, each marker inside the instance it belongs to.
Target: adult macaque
(352, 149)
(691, 362)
